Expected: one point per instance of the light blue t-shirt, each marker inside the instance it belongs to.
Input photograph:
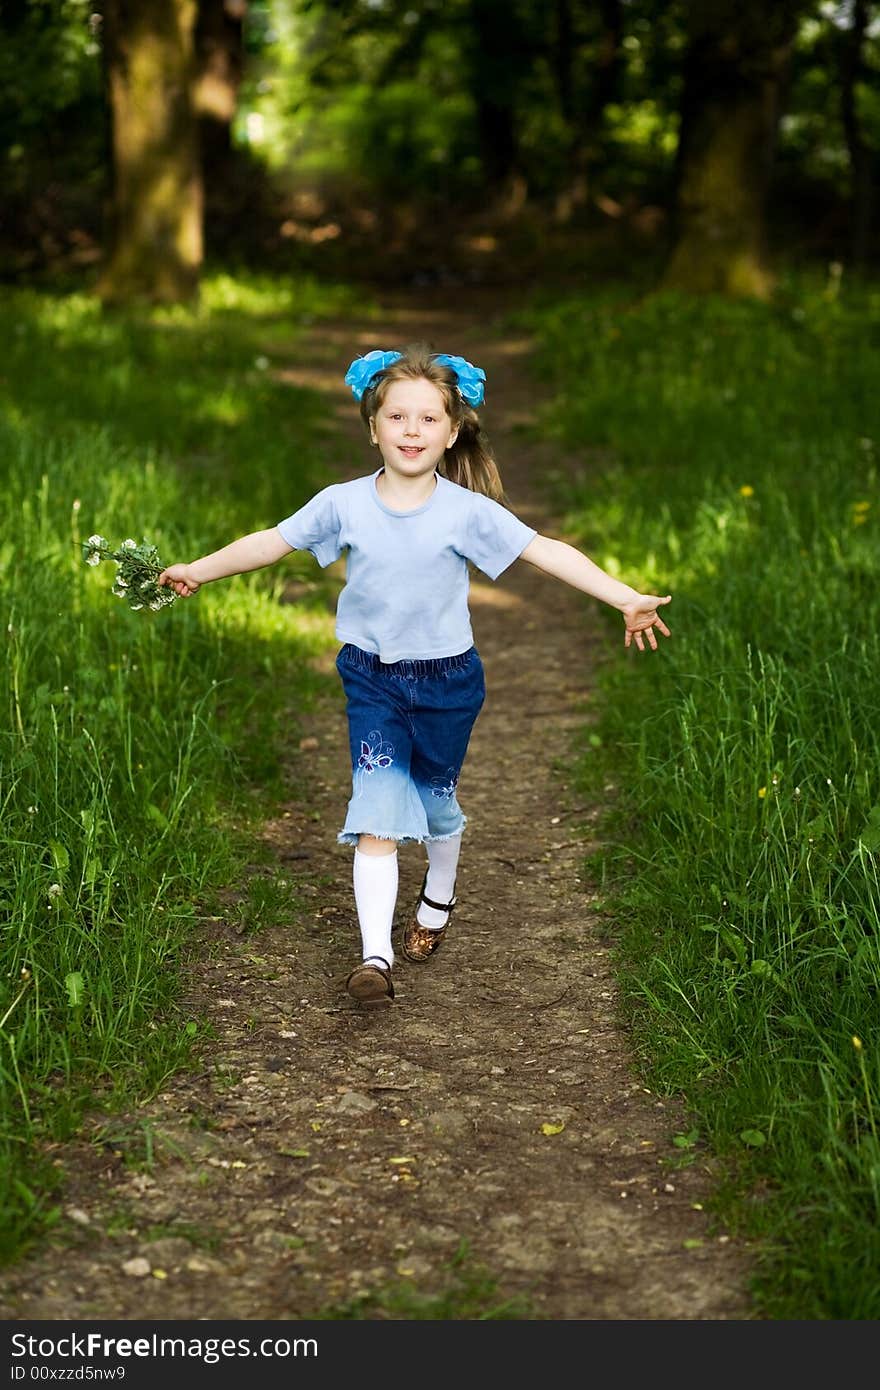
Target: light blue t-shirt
(406, 587)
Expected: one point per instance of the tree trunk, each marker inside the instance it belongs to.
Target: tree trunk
(156, 244)
(219, 66)
(735, 66)
(607, 72)
(496, 58)
(861, 173)
(584, 113)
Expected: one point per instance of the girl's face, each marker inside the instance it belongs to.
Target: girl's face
(412, 428)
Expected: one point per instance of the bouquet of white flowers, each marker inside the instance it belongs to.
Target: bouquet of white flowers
(137, 569)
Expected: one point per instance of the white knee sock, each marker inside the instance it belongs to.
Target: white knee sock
(375, 894)
(442, 868)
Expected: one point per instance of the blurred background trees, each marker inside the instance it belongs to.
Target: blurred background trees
(734, 74)
(448, 141)
(156, 177)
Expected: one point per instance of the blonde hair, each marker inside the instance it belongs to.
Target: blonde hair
(469, 461)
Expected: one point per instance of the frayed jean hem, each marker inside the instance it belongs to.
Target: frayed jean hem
(351, 837)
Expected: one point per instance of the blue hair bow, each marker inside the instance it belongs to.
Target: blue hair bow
(470, 378)
(363, 369)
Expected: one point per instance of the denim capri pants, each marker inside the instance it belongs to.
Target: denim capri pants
(409, 723)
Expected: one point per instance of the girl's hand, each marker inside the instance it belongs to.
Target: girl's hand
(641, 618)
(181, 580)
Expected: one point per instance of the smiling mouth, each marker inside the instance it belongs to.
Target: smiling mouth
(411, 449)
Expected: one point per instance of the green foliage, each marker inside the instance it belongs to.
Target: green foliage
(340, 90)
(335, 106)
(728, 454)
(127, 738)
(138, 569)
(52, 127)
(40, 37)
(813, 141)
(410, 123)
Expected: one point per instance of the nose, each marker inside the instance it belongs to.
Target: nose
(411, 427)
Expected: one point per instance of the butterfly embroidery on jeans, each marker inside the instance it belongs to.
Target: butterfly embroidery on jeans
(444, 789)
(372, 757)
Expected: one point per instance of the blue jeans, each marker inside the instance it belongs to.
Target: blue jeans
(409, 723)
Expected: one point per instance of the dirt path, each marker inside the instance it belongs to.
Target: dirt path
(324, 1151)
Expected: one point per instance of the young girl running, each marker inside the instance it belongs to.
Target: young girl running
(412, 676)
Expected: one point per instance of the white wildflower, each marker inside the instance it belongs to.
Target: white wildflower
(137, 572)
(55, 890)
(96, 544)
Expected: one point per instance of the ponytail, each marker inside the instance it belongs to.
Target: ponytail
(470, 461)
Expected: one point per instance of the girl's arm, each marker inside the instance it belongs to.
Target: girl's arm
(564, 562)
(247, 553)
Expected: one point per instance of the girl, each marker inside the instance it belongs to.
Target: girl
(411, 673)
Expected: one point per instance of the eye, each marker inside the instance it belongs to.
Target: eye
(430, 420)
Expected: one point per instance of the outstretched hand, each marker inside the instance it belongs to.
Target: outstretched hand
(180, 580)
(641, 618)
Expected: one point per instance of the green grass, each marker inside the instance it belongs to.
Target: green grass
(129, 740)
(727, 453)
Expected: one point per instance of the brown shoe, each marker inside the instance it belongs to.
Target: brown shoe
(419, 943)
(370, 985)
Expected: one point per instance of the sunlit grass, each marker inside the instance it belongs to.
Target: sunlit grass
(727, 453)
(128, 740)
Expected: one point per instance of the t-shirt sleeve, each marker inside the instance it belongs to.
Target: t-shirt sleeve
(316, 527)
(495, 536)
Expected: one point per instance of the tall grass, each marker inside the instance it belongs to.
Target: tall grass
(727, 453)
(128, 739)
